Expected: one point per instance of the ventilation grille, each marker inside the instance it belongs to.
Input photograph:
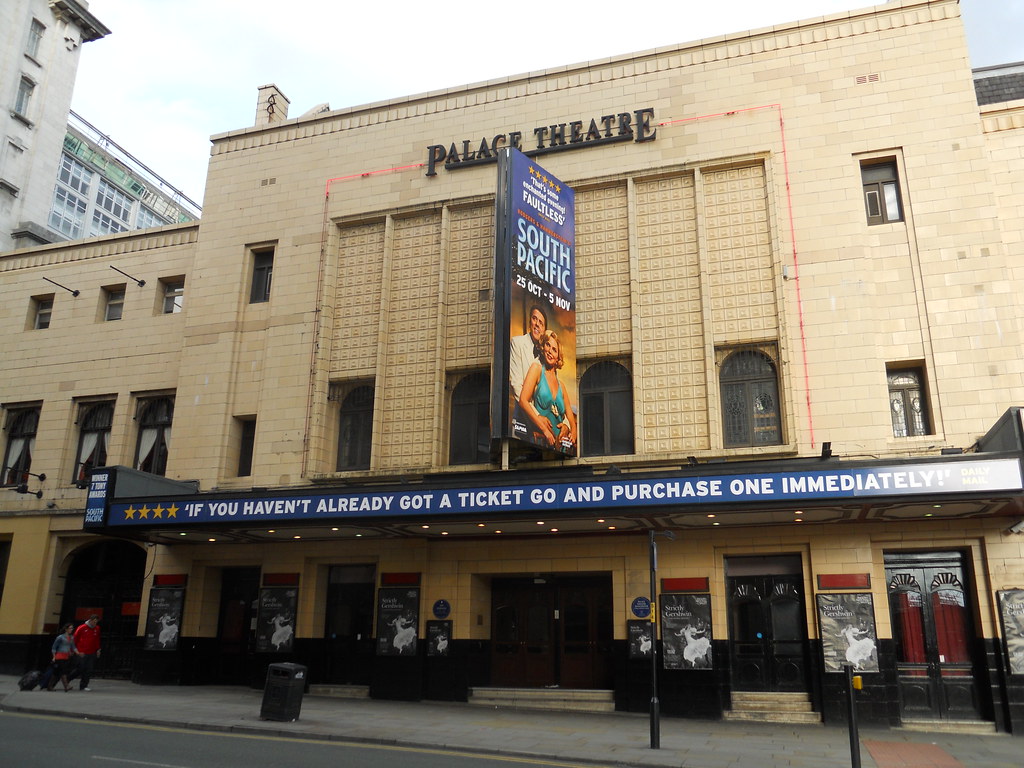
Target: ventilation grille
(874, 77)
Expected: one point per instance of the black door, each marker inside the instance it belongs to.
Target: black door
(551, 631)
(106, 579)
(236, 630)
(768, 633)
(933, 633)
(348, 630)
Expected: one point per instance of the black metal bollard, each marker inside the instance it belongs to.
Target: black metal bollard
(852, 708)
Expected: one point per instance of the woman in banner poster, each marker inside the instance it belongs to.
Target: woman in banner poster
(545, 400)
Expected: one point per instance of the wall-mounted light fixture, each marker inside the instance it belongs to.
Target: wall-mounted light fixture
(23, 486)
(138, 282)
(826, 450)
(69, 290)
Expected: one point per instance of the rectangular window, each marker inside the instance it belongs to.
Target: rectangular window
(174, 295)
(113, 297)
(75, 175)
(154, 417)
(21, 425)
(246, 444)
(262, 274)
(23, 101)
(68, 213)
(94, 423)
(908, 405)
(114, 201)
(35, 38)
(146, 219)
(104, 225)
(881, 191)
(42, 311)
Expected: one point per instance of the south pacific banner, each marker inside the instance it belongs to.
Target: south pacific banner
(534, 396)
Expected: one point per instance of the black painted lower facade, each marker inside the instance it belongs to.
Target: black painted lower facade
(695, 694)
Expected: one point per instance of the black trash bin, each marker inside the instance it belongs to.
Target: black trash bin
(282, 695)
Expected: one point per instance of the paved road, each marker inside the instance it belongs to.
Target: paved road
(606, 739)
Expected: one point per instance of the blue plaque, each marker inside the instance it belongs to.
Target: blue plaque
(641, 607)
(441, 609)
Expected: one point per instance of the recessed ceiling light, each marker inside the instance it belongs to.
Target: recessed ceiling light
(798, 519)
(611, 527)
(497, 531)
(481, 525)
(334, 529)
(540, 522)
(211, 539)
(183, 534)
(712, 515)
(716, 523)
(927, 514)
(444, 533)
(798, 512)
(271, 531)
(554, 530)
(424, 527)
(600, 520)
(359, 535)
(296, 537)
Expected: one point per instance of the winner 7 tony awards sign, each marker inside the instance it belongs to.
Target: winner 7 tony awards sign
(533, 386)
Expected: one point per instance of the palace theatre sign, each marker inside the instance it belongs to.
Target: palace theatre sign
(607, 129)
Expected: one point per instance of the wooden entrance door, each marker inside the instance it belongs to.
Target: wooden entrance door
(551, 632)
(768, 633)
(934, 634)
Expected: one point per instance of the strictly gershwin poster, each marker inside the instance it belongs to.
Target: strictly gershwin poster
(534, 395)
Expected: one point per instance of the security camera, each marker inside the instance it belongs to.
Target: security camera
(1017, 527)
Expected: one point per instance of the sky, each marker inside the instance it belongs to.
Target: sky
(172, 73)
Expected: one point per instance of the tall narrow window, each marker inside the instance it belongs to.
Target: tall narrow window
(751, 415)
(907, 404)
(881, 192)
(262, 274)
(94, 422)
(113, 297)
(246, 445)
(21, 440)
(42, 311)
(23, 101)
(355, 430)
(606, 410)
(155, 416)
(35, 38)
(5, 557)
(469, 434)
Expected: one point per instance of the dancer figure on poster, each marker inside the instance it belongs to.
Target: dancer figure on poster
(282, 632)
(169, 630)
(695, 652)
(645, 644)
(545, 400)
(405, 634)
(859, 645)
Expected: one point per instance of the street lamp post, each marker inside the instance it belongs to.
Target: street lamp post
(655, 704)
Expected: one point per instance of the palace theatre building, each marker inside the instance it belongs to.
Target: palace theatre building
(795, 371)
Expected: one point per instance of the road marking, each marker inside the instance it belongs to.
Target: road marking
(296, 740)
(136, 762)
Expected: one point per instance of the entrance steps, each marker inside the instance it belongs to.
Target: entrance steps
(771, 707)
(973, 727)
(557, 699)
(340, 691)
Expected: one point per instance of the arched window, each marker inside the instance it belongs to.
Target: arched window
(355, 429)
(751, 415)
(907, 403)
(469, 434)
(606, 410)
(94, 424)
(21, 439)
(155, 416)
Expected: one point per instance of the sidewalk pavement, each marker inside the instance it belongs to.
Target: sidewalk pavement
(615, 739)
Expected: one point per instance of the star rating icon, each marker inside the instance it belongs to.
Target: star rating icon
(129, 514)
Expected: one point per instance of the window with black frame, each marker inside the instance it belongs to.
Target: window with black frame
(881, 191)
(606, 410)
(154, 417)
(751, 413)
(355, 429)
(21, 427)
(907, 403)
(262, 275)
(469, 434)
(94, 423)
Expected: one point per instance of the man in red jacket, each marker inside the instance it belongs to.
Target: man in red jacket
(87, 641)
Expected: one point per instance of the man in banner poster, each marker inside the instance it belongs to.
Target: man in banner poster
(540, 246)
